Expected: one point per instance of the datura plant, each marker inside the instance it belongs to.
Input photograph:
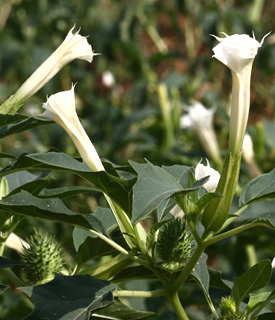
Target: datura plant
(156, 222)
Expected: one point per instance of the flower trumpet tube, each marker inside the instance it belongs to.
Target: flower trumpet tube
(73, 47)
(60, 108)
(237, 52)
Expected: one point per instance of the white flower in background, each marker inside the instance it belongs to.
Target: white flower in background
(108, 79)
(16, 243)
(237, 51)
(73, 47)
(200, 119)
(273, 263)
(60, 107)
(177, 212)
(248, 156)
(202, 171)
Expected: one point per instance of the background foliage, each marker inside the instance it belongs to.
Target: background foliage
(142, 43)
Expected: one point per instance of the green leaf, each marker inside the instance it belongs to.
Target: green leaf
(6, 263)
(69, 297)
(260, 299)
(94, 248)
(11, 124)
(118, 189)
(154, 185)
(107, 269)
(33, 187)
(267, 316)
(258, 189)
(24, 203)
(133, 273)
(119, 311)
(254, 279)
(181, 173)
(201, 273)
(267, 219)
(108, 223)
(66, 192)
(216, 280)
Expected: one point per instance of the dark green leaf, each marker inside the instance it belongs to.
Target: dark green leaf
(110, 266)
(201, 273)
(108, 222)
(4, 155)
(17, 180)
(133, 273)
(66, 192)
(259, 299)
(93, 248)
(181, 173)
(119, 311)
(254, 279)
(266, 219)
(69, 297)
(118, 189)
(5, 263)
(33, 187)
(267, 316)
(258, 189)
(154, 185)
(11, 124)
(216, 280)
(26, 204)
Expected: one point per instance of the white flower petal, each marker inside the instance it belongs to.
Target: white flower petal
(60, 108)
(202, 171)
(236, 51)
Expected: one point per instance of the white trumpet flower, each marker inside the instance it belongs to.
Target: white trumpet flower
(73, 47)
(200, 119)
(60, 108)
(202, 171)
(273, 263)
(237, 52)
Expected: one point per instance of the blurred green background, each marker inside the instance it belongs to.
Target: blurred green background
(142, 44)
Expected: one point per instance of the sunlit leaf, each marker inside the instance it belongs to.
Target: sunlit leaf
(254, 279)
(258, 189)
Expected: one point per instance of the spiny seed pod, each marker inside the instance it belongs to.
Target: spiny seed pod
(174, 245)
(228, 309)
(42, 258)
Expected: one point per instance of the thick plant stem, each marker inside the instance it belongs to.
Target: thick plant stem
(177, 307)
(217, 210)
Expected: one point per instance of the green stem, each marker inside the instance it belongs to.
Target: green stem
(188, 269)
(231, 233)
(122, 221)
(175, 302)
(140, 294)
(120, 249)
(12, 277)
(236, 214)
